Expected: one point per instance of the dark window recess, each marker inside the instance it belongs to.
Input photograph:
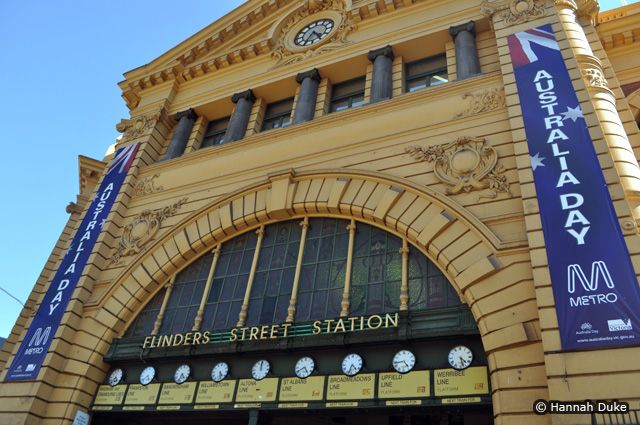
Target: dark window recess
(426, 73)
(278, 115)
(347, 95)
(143, 323)
(215, 132)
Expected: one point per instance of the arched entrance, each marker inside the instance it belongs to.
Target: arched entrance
(469, 256)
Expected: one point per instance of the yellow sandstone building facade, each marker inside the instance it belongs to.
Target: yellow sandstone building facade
(331, 218)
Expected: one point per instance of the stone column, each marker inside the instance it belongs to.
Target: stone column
(602, 99)
(467, 62)
(381, 82)
(186, 119)
(306, 103)
(240, 117)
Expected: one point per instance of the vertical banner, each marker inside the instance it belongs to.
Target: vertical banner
(594, 285)
(28, 360)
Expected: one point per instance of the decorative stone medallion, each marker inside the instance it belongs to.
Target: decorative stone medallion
(515, 12)
(143, 228)
(464, 165)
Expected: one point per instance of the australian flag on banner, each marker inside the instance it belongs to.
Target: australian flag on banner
(33, 349)
(596, 292)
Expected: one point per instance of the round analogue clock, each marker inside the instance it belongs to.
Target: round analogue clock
(352, 364)
(314, 32)
(182, 373)
(460, 357)
(219, 372)
(147, 375)
(304, 367)
(404, 361)
(260, 370)
(115, 377)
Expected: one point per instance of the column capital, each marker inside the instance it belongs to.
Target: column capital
(587, 8)
(469, 27)
(189, 114)
(314, 74)
(246, 95)
(383, 51)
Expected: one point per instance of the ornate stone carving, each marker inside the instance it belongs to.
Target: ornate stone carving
(286, 52)
(143, 228)
(594, 78)
(465, 165)
(515, 12)
(487, 100)
(138, 126)
(146, 186)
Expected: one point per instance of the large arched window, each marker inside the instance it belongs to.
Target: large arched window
(257, 278)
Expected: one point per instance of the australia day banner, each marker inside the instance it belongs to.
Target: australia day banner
(594, 285)
(34, 347)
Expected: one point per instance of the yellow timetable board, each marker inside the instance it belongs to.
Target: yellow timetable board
(250, 390)
(216, 392)
(361, 387)
(408, 385)
(452, 382)
(177, 393)
(110, 395)
(142, 394)
(296, 389)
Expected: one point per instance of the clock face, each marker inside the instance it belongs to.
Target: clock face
(219, 372)
(404, 361)
(260, 370)
(147, 375)
(314, 32)
(182, 373)
(304, 367)
(352, 364)
(460, 357)
(115, 377)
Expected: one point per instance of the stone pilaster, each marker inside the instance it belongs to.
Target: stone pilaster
(467, 62)
(382, 81)
(240, 117)
(307, 97)
(186, 119)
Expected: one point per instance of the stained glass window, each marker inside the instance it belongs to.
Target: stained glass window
(185, 296)
(273, 281)
(143, 323)
(376, 274)
(323, 270)
(229, 283)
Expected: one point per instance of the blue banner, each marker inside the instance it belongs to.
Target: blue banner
(594, 285)
(33, 349)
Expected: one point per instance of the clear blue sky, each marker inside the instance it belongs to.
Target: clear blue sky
(59, 67)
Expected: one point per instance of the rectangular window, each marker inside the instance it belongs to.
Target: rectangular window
(215, 132)
(278, 115)
(426, 73)
(347, 95)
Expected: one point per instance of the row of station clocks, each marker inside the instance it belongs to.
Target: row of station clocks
(460, 357)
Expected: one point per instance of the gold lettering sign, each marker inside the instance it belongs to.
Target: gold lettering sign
(216, 392)
(250, 390)
(177, 393)
(133, 408)
(296, 389)
(360, 387)
(342, 404)
(403, 402)
(110, 395)
(206, 406)
(169, 407)
(410, 385)
(142, 394)
(292, 405)
(450, 382)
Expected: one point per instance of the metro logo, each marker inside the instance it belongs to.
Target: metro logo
(598, 269)
(40, 337)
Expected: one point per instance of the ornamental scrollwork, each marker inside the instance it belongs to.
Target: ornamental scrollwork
(285, 52)
(487, 100)
(147, 186)
(515, 12)
(464, 165)
(138, 126)
(594, 77)
(143, 228)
